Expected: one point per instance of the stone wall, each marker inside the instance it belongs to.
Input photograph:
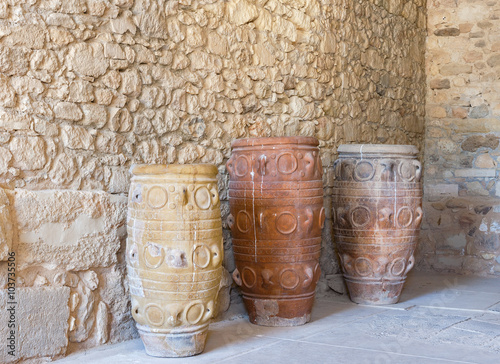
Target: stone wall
(89, 87)
(462, 207)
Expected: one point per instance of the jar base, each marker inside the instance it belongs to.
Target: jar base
(279, 311)
(374, 293)
(174, 344)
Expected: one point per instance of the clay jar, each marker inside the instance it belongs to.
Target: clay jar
(174, 255)
(377, 199)
(276, 202)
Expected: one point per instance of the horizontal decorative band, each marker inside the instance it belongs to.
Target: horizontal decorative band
(375, 281)
(277, 251)
(176, 277)
(173, 216)
(277, 259)
(299, 202)
(280, 185)
(302, 296)
(173, 286)
(283, 243)
(178, 330)
(173, 296)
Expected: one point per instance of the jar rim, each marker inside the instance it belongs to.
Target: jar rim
(153, 169)
(283, 140)
(377, 148)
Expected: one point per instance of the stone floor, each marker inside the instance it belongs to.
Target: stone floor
(440, 319)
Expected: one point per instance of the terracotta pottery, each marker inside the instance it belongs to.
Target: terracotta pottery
(377, 210)
(174, 255)
(276, 202)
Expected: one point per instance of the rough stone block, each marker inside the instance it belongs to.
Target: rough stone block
(494, 60)
(28, 152)
(478, 112)
(439, 84)
(6, 227)
(441, 190)
(72, 229)
(41, 316)
(447, 32)
(473, 172)
(476, 188)
(455, 69)
(474, 142)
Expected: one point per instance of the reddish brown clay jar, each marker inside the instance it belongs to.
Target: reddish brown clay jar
(277, 213)
(377, 211)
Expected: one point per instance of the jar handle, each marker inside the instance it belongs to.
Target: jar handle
(418, 170)
(230, 221)
(308, 224)
(237, 277)
(262, 164)
(229, 165)
(420, 213)
(411, 263)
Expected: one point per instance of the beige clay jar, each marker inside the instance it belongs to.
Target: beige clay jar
(174, 255)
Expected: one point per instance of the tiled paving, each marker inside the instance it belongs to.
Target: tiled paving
(440, 319)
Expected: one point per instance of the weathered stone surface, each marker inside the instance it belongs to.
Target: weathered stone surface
(14, 61)
(43, 310)
(14, 121)
(441, 190)
(437, 112)
(76, 137)
(60, 36)
(68, 111)
(494, 60)
(5, 158)
(80, 91)
(82, 312)
(131, 83)
(58, 19)
(478, 112)
(471, 172)
(485, 161)
(447, 32)
(112, 79)
(113, 294)
(473, 143)
(29, 36)
(102, 323)
(455, 69)
(88, 59)
(123, 23)
(63, 169)
(121, 121)
(438, 84)
(72, 229)
(242, 12)
(28, 152)
(7, 93)
(94, 115)
(6, 226)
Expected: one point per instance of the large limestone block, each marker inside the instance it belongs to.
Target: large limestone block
(6, 230)
(75, 230)
(41, 319)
